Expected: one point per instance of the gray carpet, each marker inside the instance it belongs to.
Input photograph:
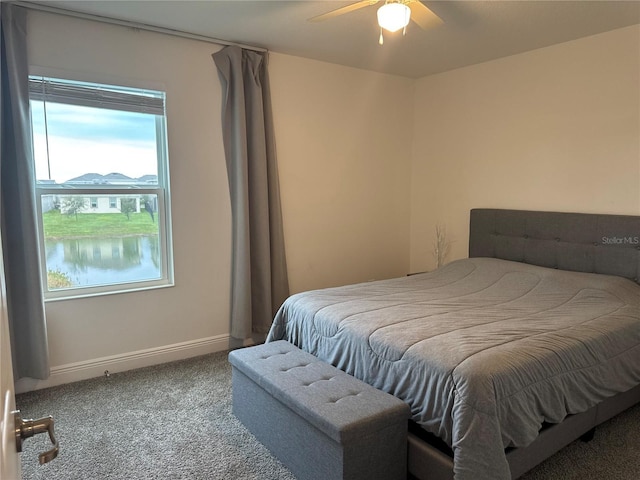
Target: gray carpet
(174, 421)
(171, 421)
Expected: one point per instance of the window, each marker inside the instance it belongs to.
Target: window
(102, 182)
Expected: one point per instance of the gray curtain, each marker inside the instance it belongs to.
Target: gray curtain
(259, 269)
(17, 203)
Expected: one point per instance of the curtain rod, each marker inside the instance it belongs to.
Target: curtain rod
(139, 26)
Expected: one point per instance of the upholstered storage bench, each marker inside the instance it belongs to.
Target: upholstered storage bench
(320, 422)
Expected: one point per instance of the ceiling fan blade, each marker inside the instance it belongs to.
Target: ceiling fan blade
(343, 10)
(423, 16)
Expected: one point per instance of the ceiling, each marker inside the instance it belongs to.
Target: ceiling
(473, 31)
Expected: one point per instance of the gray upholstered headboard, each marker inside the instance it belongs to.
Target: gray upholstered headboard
(581, 242)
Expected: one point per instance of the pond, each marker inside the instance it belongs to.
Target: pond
(104, 261)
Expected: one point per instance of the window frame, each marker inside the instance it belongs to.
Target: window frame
(161, 190)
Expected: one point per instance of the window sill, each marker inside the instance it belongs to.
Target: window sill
(76, 295)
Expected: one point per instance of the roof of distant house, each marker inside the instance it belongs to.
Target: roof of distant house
(148, 178)
(114, 177)
(87, 177)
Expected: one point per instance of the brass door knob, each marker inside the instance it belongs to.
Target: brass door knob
(29, 428)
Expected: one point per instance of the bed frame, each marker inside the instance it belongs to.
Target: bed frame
(592, 243)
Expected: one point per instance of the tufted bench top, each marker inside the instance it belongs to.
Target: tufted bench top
(336, 403)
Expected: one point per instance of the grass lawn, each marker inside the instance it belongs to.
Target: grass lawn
(57, 225)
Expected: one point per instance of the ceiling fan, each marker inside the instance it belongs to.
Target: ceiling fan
(392, 15)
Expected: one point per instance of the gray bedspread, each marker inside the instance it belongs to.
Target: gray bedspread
(483, 350)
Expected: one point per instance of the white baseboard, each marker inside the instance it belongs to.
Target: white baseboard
(73, 372)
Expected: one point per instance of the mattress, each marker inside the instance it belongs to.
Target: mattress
(483, 350)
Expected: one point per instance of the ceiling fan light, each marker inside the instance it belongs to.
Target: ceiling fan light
(393, 16)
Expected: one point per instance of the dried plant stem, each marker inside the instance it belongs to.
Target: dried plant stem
(441, 246)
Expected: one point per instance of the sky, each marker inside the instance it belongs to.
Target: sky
(91, 140)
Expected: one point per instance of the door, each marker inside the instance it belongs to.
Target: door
(9, 460)
(13, 428)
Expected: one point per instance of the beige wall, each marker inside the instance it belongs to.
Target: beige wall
(344, 150)
(344, 143)
(552, 129)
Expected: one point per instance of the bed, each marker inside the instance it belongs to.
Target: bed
(503, 357)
